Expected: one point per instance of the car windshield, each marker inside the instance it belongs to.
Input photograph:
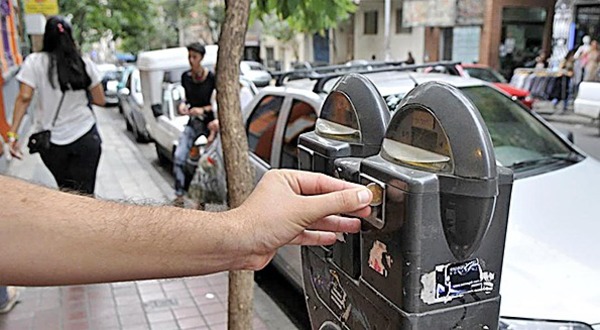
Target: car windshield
(521, 142)
(485, 74)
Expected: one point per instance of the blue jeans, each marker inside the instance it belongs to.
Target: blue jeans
(186, 141)
(3, 296)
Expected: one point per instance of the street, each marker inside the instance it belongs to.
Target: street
(586, 137)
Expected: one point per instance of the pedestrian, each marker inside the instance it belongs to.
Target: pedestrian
(199, 84)
(48, 237)
(9, 297)
(567, 70)
(410, 59)
(62, 80)
(591, 66)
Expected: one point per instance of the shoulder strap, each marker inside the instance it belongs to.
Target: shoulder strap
(58, 109)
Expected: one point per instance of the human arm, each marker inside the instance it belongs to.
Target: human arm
(20, 108)
(53, 238)
(97, 94)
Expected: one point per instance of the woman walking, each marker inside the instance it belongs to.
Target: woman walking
(63, 80)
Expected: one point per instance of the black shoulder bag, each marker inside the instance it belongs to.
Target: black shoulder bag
(40, 141)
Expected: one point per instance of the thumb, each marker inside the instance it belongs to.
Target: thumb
(343, 201)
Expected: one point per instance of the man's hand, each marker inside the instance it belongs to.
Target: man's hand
(197, 111)
(213, 126)
(294, 207)
(183, 109)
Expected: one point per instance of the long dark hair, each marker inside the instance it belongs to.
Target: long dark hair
(65, 57)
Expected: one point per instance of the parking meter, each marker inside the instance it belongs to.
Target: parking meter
(429, 256)
(345, 134)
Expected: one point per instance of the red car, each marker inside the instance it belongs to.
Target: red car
(488, 74)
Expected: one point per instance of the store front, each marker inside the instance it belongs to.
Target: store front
(522, 38)
(515, 33)
(587, 21)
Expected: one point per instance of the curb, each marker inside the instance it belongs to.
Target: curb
(569, 118)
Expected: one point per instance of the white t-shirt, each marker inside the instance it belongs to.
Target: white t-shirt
(75, 117)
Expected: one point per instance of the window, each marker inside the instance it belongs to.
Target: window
(371, 22)
(399, 27)
(261, 126)
(302, 119)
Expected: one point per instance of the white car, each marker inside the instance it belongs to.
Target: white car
(255, 72)
(552, 254)
(587, 102)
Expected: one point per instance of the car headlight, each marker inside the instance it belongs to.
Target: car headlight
(530, 324)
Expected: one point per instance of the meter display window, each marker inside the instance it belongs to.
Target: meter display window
(416, 138)
(261, 126)
(520, 141)
(302, 119)
(338, 118)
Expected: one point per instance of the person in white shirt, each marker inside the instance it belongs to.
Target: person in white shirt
(62, 80)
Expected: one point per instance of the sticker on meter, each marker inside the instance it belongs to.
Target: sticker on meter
(455, 280)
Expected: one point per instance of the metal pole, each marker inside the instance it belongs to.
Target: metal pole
(387, 23)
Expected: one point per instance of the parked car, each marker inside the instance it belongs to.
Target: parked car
(552, 254)
(488, 74)
(587, 102)
(131, 102)
(255, 72)
(111, 75)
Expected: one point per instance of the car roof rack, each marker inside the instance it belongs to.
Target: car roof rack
(324, 78)
(316, 72)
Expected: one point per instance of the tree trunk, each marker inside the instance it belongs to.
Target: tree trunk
(240, 175)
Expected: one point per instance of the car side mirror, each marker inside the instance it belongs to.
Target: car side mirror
(157, 110)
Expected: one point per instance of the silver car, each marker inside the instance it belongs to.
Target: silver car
(255, 72)
(552, 254)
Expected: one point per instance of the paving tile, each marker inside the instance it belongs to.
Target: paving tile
(190, 323)
(181, 293)
(166, 325)
(220, 326)
(127, 300)
(105, 322)
(217, 318)
(130, 309)
(195, 282)
(77, 325)
(185, 312)
(131, 320)
(185, 302)
(160, 316)
(213, 308)
(76, 315)
(15, 325)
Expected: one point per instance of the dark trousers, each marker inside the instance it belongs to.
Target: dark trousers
(74, 165)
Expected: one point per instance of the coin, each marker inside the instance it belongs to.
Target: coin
(377, 193)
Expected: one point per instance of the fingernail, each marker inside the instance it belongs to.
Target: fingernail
(364, 196)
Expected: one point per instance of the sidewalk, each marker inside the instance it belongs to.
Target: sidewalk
(186, 303)
(547, 110)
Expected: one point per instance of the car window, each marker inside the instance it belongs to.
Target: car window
(485, 75)
(302, 119)
(137, 83)
(517, 136)
(178, 95)
(261, 126)
(167, 106)
(128, 84)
